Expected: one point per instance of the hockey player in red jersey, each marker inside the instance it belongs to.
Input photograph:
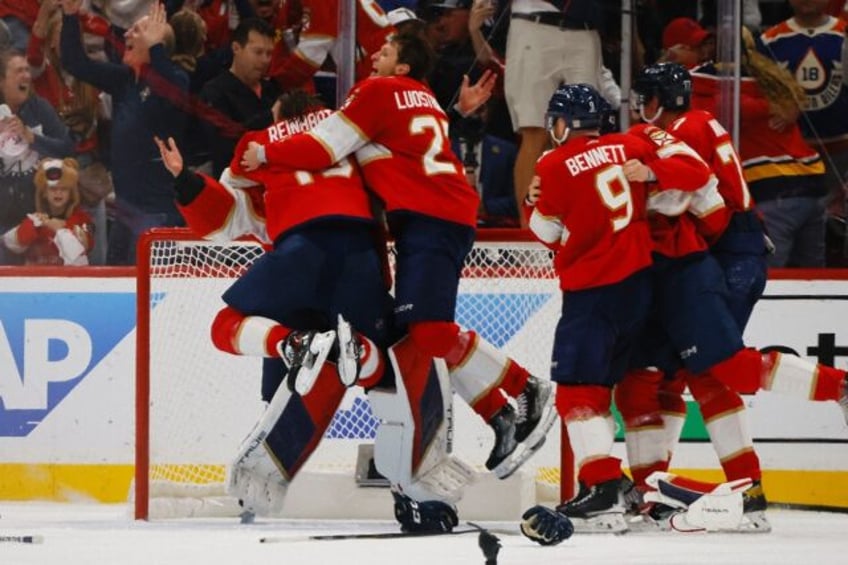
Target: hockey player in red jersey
(596, 222)
(319, 40)
(398, 131)
(702, 316)
(293, 304)
(652, 403)
(235, 207)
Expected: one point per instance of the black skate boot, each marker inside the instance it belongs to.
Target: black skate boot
(536, 413)
(597, 509)
(754, 506)
(503, 425)
(534, 416)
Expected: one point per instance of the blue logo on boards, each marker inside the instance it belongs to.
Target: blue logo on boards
(49, 342)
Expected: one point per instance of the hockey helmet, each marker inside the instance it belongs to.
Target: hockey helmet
(670, 83)
(579, 105)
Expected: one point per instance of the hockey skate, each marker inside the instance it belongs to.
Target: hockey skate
(304, 353)
(349, 353)
(597, 509)
(503, 425)
(754, 506)
(534, 416)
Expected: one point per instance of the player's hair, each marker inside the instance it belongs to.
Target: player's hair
(777, 84)
(298, 102)
(416, 52)
(242, 31)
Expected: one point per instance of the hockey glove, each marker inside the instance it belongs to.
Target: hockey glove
(427, 516)
(546, 526)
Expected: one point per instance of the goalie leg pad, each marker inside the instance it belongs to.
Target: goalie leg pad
(280, 443)
(414, 440)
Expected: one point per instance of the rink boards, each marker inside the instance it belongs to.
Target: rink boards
(67, 354)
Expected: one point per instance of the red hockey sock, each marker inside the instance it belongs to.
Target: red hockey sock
(744, 372)
(229, 326)
(829, 383)
(515, 378)
(724, 414)
(600, 471)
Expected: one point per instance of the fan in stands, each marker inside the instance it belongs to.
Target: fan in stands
(325, 258)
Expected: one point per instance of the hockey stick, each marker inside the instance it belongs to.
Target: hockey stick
(367, 535)
(22, 539)
(473, 529)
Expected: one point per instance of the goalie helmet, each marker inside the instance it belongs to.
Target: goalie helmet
(670, 83)
(579, 105)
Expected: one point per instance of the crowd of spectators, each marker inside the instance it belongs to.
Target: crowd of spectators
(96, 80)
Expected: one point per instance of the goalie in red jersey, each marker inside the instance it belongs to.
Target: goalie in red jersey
(306, 210)
(398, 132)
(295, 303)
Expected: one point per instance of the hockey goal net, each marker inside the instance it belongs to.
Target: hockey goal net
(195, 404)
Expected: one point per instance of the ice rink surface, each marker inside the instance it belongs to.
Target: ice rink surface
(83, 534)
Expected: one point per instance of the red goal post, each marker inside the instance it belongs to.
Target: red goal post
(194, 404)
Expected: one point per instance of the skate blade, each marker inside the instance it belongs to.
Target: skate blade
(607, 523)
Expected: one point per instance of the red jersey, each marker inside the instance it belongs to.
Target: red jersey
(767, 154)
(676, 234)
(701, 131)
(588, 212)
(400, 136)
(294, 197)
(229, 209)
(40, 245)
(318, 40)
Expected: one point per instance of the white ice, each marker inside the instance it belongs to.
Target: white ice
(91, 534)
